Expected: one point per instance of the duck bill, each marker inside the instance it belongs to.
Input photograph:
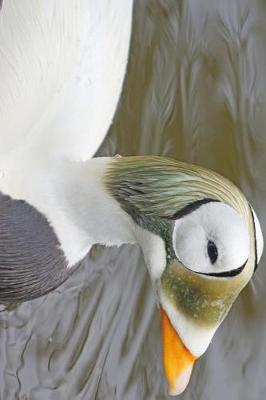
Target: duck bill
(177, 359)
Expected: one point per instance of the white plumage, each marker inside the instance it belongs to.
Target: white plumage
(62, 68)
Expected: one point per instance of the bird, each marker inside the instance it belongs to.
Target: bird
(62, 71)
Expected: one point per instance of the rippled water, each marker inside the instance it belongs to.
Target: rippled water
(195, 90)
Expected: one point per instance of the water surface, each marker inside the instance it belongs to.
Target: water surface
(195, 90)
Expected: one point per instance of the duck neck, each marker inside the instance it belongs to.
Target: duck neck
(100, 217)
(80, 207)
(92, 213)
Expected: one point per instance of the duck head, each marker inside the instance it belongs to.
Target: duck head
(201, 241)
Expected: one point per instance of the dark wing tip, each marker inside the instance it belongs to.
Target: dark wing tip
(20, 286)
(32, 262)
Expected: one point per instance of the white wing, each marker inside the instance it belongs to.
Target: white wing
(62, 65)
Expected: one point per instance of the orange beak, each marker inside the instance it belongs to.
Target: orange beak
(177, 359)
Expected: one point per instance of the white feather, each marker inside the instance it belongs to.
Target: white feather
(259, 236)
(62, 66)
(220, 223)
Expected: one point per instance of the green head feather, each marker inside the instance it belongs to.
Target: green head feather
(160, 186)
(153, 190)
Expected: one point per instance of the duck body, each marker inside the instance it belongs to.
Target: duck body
(62, 69)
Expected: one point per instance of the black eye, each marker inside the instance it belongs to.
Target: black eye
(212, 251)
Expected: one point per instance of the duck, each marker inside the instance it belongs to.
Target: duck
(62, 70)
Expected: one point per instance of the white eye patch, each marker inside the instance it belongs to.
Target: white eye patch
(211, 239)
(259, 236)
